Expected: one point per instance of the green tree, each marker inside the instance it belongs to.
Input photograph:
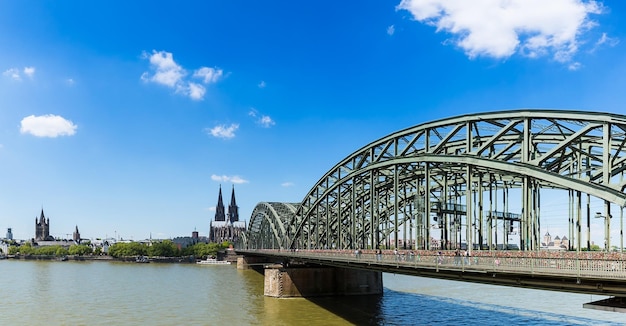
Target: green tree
(97, 251)
(165, 248)
(130, 249)
(26, 249)
(80, 250)
(61, 251)
(46, 250)
(204, 250)
(14, 250)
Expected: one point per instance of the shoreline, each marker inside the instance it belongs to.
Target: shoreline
(132, 259)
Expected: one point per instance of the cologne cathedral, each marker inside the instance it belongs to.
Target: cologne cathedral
(226, 227)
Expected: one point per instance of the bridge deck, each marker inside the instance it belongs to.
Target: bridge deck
(580, 274)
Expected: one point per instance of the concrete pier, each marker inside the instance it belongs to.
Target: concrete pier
(248, 262)
(281, 282)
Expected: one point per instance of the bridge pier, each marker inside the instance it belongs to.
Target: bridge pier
(283, 282)
(248, 262)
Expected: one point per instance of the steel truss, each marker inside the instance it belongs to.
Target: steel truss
(376, 196)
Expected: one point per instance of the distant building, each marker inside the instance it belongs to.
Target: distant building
(226, 229)
(42, 228)
(183, 242)
(76, 235)
(4, 248)
(554, 244)
(9, 234)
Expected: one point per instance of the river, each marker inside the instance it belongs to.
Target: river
(106, 293)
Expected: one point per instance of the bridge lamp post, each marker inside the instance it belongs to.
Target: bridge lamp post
(607, 236)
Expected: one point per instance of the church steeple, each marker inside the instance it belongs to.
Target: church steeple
(219, 209)
(42, 227)
(233, 210)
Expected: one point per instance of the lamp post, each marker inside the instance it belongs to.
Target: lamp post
(607, 236)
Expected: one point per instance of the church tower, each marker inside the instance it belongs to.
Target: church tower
(42, 228)
(220, 215)
(76, 236)
(233, 210)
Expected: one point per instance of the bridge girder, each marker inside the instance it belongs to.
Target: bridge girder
(380, 188)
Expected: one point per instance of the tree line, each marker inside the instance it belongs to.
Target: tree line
(165, 248)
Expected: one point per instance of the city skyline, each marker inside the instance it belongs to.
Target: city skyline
(124, 118)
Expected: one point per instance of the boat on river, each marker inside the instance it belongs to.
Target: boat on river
(142, 260)
(212, 261)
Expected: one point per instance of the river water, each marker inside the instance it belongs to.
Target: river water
(106, 293)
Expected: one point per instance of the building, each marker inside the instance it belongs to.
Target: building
(9, 234)
(42, 228)
(76, 235)
(554, 244)
(183, 242)
(226, 229)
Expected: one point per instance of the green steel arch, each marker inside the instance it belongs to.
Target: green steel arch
(377, 195)
(269, 225)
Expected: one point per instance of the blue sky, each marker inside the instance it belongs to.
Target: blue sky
(124, 117)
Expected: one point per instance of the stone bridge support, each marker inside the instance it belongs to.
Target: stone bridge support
(250, 262)
(283, 282)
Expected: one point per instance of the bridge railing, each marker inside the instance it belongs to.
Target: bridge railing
(565, 266)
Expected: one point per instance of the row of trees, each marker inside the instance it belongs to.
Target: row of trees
(165, 248)
(28, 249)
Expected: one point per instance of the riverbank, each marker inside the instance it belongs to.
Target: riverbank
(188, 260)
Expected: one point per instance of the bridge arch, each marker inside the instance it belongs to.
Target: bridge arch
(268, 227)
(446, 172)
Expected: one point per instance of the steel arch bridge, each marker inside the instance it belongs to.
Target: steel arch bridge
(453, 177)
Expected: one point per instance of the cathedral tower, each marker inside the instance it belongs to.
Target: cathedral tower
(233, 210)
(220, 215)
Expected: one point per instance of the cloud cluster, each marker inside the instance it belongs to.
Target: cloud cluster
(16, 74)
(48, 125)
(167, 72)
(499, 29)
(261, 119)
(224, 178)
(223, 131)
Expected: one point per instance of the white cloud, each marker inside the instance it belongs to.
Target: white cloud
(13, 73)
(224, 178)
(574, 66)
(262, 84)
(29, 71)
(47, 126)
(165, 71)
(266, 121)
(605, 40)
(196, 91)
(610, 41)
(391, 30)
(287, 184)
(16, 74)
(498, 29)
(222, 131)
(209, 75)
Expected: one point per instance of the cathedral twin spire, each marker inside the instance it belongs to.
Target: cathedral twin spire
(233, 211)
